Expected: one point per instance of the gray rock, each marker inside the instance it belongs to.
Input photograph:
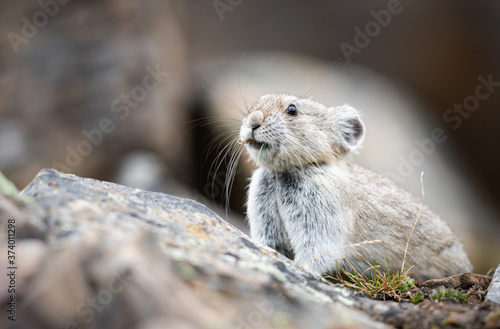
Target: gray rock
(493, 294)
(92, 254)
(119, 257)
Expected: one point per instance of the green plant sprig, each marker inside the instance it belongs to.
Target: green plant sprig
(260, 152)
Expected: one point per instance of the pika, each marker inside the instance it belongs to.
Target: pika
(308, 197)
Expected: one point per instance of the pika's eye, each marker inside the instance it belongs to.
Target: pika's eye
(292, 110)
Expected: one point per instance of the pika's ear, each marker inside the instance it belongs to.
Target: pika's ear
(350, 126)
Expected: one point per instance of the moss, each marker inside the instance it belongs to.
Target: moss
(281, 319)
(115, 197)
(249, 254)
(8, 188)
(417, 298)
(265, 269)
(319, 295)
(345, 301)
(195, 241)
(442, 293)
(185, 270)
(180, 255)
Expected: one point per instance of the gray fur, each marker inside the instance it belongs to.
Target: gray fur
(307, 197)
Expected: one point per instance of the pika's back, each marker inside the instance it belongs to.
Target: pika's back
(386, 212)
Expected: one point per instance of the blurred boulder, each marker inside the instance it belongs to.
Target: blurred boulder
(86, 82)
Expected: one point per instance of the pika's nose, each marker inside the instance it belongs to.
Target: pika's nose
(255, 119)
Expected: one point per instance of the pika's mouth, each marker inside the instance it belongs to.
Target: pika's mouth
(254, 143)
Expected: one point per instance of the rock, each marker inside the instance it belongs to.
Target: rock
(473, 286)
(462, 281)
(493, 294)
(113, 256)
(110, 256)
(97, 81)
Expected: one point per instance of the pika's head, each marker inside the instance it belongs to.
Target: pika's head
(283, 132)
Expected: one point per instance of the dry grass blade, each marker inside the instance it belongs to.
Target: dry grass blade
(416, 221)
(378, 284)
(343, 247)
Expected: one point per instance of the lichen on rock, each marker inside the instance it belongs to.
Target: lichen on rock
(95, 254)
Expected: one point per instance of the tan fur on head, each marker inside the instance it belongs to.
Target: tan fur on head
(313, 134)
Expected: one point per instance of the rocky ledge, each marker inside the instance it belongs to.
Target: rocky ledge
(92, 254)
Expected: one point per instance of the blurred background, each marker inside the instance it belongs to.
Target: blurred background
(149, 93)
